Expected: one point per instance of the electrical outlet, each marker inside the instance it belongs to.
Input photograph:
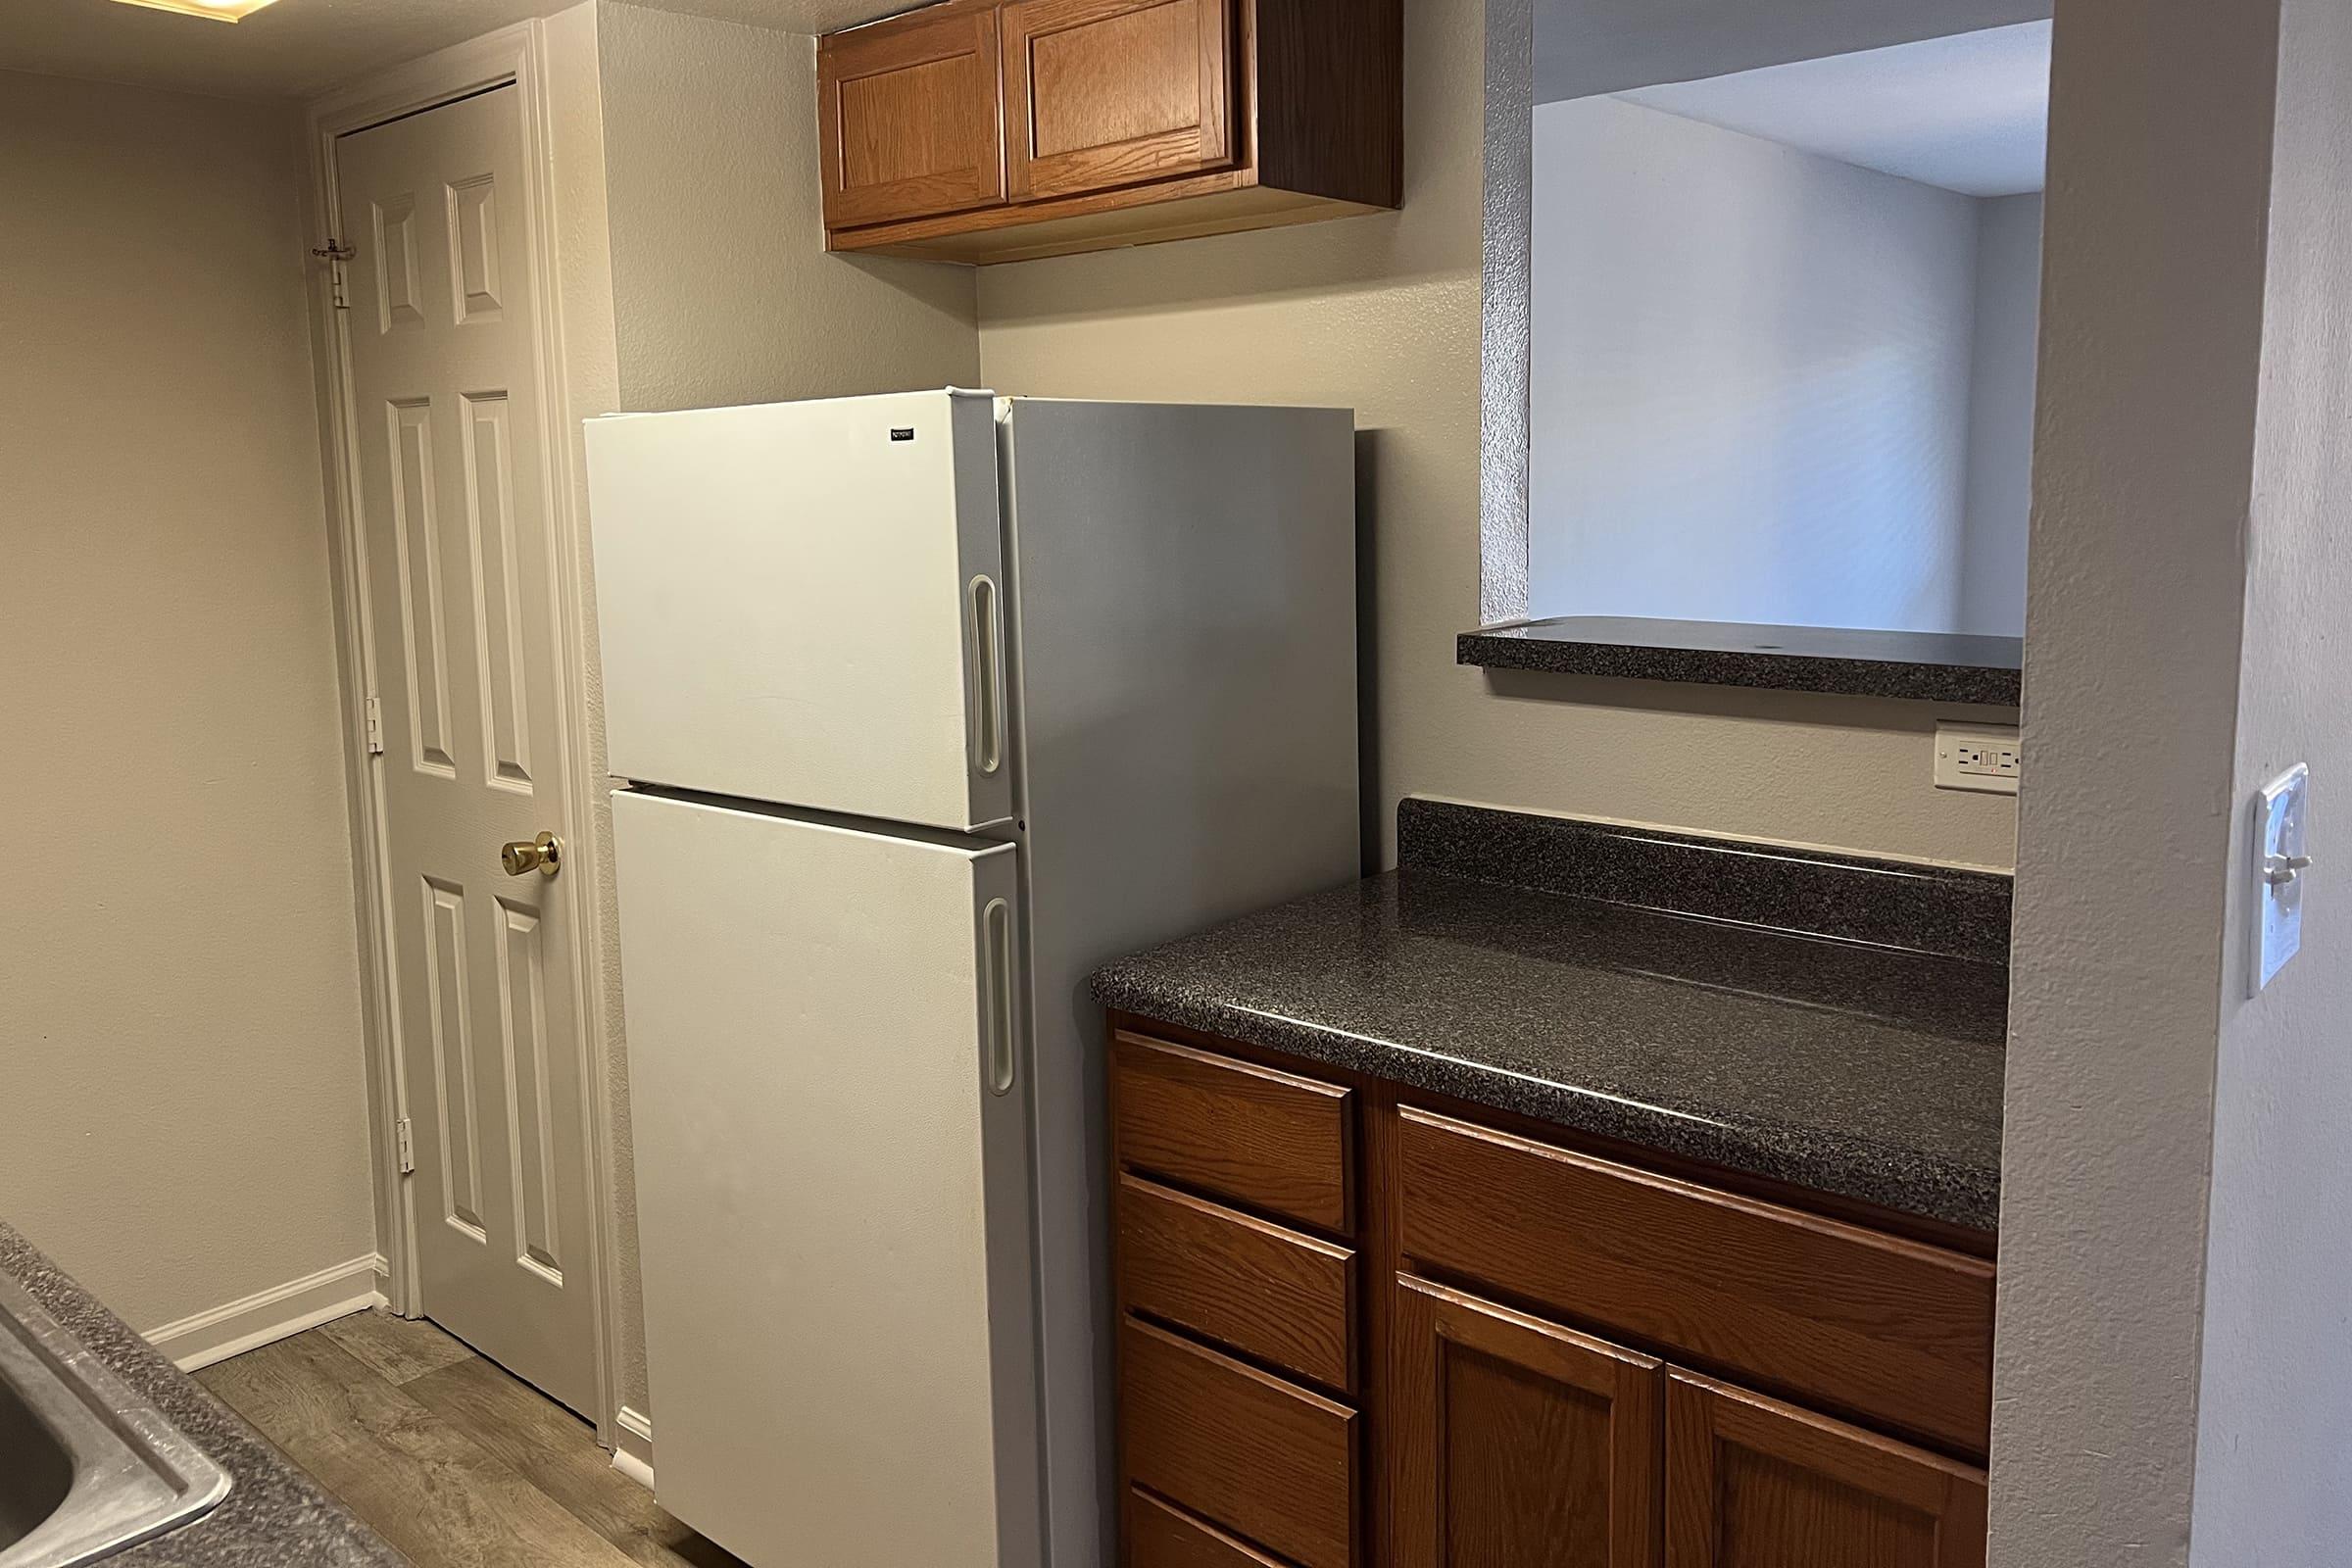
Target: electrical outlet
(1979, 757)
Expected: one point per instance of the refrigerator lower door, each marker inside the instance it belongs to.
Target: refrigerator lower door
(832, 1186)
(805, 602)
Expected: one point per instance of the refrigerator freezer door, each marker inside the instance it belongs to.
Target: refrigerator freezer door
(803, 602)
(832, 1186)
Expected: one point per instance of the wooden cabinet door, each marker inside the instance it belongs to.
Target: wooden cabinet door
(1103, 93)
(1751, 1482)
(908, 117)
(1517, 1444)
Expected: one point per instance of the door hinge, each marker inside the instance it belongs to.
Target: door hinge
(407, 1147)
(376, 726)
(335, 253)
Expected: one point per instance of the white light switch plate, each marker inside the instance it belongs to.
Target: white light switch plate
(1979, 757)
(2281, 863)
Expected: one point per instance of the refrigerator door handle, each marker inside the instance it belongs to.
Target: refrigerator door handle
(986, 633)
(996, 959)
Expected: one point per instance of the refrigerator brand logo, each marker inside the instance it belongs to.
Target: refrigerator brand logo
(903, 433)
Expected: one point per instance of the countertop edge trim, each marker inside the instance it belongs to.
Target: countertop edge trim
(1975, 685)
(1940, 1190)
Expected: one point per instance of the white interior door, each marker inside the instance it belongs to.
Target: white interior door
(832, 1186)
(801, 603)
(457, 554)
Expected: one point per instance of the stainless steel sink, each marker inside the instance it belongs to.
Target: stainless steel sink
(87, 1467)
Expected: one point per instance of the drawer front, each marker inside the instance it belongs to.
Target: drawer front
(1270, 1464)
(1274, 1293)
(1890, 1330)
(1263, 1139)
(1161, 1534)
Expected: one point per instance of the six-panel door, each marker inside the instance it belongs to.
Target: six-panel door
(908, 118)
(1104, 93)
(1518, 1444)
(459, 581)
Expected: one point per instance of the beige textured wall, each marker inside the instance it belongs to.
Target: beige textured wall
(1381, 314)
(182, 1101)
(575, 120)
(718, 290)
(2274, 1398)
(722, 288)
(2152, 364)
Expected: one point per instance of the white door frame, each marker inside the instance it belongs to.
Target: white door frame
(514, 55)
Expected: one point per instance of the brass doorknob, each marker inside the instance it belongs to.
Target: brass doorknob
(544, 853)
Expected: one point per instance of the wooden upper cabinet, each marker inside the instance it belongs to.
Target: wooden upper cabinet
(1751, 1482)
(1108, 123)
(908, 117)
(1359, 1332)
(1517, 1444)
(1103, 93)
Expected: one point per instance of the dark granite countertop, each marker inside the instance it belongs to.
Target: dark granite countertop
(1848, 1069)
(274, 1517)
(1930, 666)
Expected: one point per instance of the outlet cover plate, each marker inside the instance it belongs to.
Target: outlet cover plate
(1979, 757)
(2281, 865)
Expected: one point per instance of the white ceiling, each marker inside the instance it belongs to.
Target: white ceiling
(1971, 114)
(1585, 47)
(295, 48)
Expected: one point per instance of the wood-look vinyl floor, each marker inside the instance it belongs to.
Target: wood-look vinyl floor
(452, 1460)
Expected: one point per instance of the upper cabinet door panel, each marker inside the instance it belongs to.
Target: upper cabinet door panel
(909, 118)
(1104, 93)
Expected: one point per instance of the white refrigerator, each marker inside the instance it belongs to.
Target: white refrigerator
(926, 705)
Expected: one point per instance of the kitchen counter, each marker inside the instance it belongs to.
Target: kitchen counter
(1920, 666)
(274, 1517)
(1862, 1057)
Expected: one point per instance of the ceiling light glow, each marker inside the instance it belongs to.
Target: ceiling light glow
(216, 10)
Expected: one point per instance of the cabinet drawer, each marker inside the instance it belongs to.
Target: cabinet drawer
(1162, 1536)
(1244, 1450)
(1890, 1330)
(1263, 1139)
(1268, 1292)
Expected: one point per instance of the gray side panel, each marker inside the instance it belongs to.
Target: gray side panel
(1185, 593)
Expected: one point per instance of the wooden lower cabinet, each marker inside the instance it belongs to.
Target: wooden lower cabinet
(1515, 1442)
(1751, 1482)
(1518, 1444)
(1356, 1333)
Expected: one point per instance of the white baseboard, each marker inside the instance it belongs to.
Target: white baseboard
(194, 1343)
(634, 1455)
